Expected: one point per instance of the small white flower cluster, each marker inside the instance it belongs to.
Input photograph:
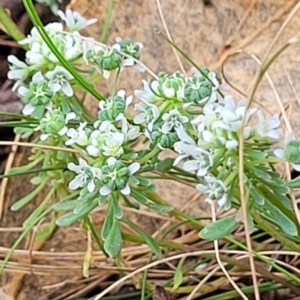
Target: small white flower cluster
(44, 85)
(112, 176)
(191, 116)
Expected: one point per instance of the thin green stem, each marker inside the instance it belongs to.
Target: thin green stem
(149, 155)
(107, 21)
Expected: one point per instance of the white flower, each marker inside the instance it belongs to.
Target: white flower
(199, 159)
(130, 132)
(59, 81)
(149, 113)
(74, 20)
(113, 145)
(18, 69)
(147, 95)
(173, 119)
(77, 136)
(86, 175)
(215, 189)
(269, 128)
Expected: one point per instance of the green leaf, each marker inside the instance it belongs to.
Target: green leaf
(219, 229)
(23, 201)
(151, 242)
(293, 184)
(118, 213)
(256, 154)
(178, 276)
(275, 215)
(258, 172)
(24, 132)
(128, 203)
(46, 232)
(84, 207)
(139, 197)
(161, 208)
(107, 221)
(113, 241)
(66, 205)
(165, 165)
(68, 219)
(257, 195)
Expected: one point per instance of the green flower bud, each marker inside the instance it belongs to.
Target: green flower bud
(130, 48)
(39, 93)
(112, 108)
(109, 59)
(197, 90)
(164, 140)
(53, 123)
(115, 176)
(292, 152)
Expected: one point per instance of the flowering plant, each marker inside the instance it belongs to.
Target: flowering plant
(95, 162)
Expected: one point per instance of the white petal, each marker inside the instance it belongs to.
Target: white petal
(133, 168)
(67, 89)
(28, 109)
(92, 150)
(44, 137)
(279, 153)
(105, 190)
(91, 186)
(126, 190)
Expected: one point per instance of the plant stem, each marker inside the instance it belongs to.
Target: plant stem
(148, 156)
(107, 21)
(10, 26)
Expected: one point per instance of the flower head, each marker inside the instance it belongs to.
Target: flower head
(86, 175)
(59, 81)
(74, 20)
(268, 128)
(215, 189)
(113, 108)
(116, 176)
(38, 95)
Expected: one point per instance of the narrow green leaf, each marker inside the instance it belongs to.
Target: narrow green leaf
(178, 276)
(68, 219)
(23, 201)
(128, 203)
(259, 172)
(113, 241)
(165, 165)
(147, 238)
(256, 154)
(39, 210)
(293, 184)
(46, 232)
(83, 208)
(219, 229)
(257, 196)
(107, 222)
(139, 197)
(279, 218)
(66, 205)
(161, 208)
(118, 213)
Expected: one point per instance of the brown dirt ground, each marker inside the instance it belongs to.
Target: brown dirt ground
(207, 34)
